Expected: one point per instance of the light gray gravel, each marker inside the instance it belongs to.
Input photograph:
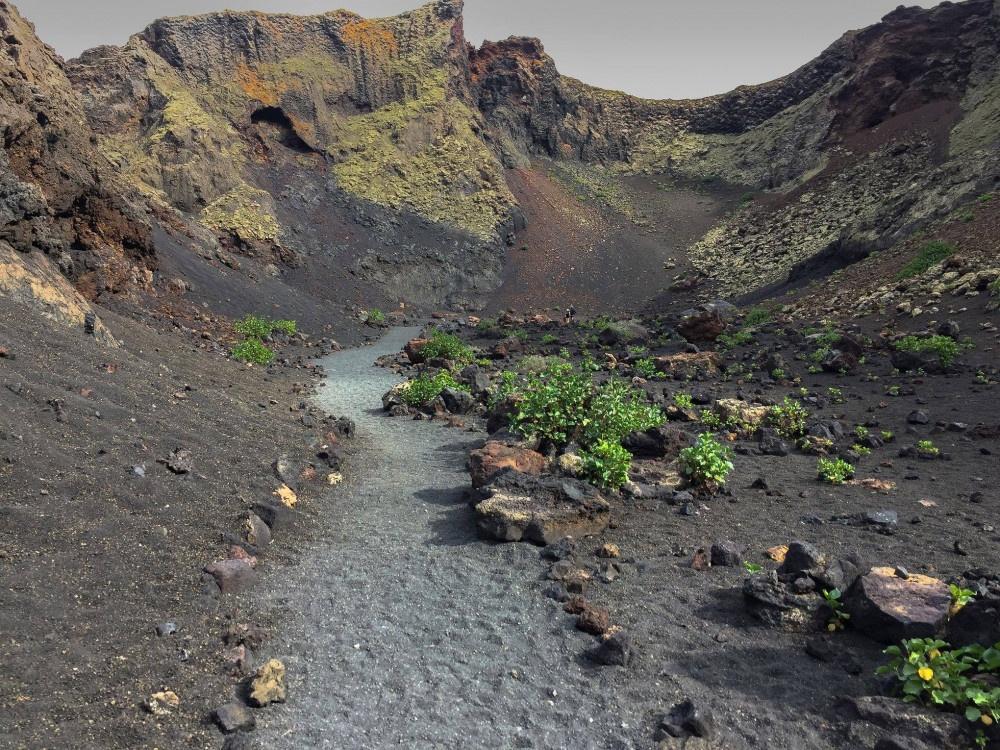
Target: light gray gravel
(405, 630)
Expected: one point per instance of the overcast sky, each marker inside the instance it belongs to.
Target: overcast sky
(653, 48)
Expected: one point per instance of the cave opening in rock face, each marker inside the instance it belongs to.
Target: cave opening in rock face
(278, 126)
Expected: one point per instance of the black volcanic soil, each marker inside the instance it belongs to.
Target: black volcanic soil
(693, 633)
(93, 556)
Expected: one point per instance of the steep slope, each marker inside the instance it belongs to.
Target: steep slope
(891, 127)
(62, 211)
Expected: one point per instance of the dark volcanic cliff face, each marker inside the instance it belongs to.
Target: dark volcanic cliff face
(57, 194)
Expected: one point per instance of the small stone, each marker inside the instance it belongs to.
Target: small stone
(609, 551)
(918, 417)
(231, 575)
(614, 651)
(162, 703)
(234, 717)
(726, 554)
(268, 686)
(801, 558)
(166, 628)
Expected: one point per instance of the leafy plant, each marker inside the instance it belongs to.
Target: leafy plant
(838, 616)
(646, 367)
(862, 432)
(707, 462)
(778, 374)
(732, 340)
(606, 464)
(945, 347)
(927, 257)
(888, 436)
(548, 339)
(860, 450)
(289, 327)
(788, 419)
(506, 386)
(253, 326)
(425, 388)
(752, 568)
(447, 346)
(834, 470)
(927, 448)
(757, 317)
(252, 350)
(375, 317)
(618, 409)
(683, 401)
(554, 404)
(960, 597)
(929, 671)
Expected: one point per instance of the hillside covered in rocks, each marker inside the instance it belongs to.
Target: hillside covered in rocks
(713, 378)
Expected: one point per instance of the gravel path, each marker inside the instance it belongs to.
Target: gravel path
(405, 630)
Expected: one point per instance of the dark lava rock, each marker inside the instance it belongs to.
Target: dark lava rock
(841, 573)
(457, 401)
(686, 720)
(923, 728)
(889, 609)
(234, 717)
(774, 604)
(771, 443)
(615, 651)
(520, 507)
(659, 442)
(726, 554)
(241, 741)
(977, 622)
(232, 576)
(255, 531)
(345, 428)
(801, 557)
(277, 516)
(918, 417)
(560, 550)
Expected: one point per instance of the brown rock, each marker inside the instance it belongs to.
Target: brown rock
(594, 620)
(889, 608)
(232, 576)
(414, 349)
(689, 364)
(268, 685)
(494, 457)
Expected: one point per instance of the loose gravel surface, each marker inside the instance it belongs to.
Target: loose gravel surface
(405, 629)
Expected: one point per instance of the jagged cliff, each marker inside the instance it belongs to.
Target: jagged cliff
(388, 152)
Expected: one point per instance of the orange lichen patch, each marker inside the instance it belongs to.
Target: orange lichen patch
(371, 36)
(255, 87)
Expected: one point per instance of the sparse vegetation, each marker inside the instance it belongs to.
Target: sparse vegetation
(252, 350)
(683, 401)
(944, 347)
(708, 462)
(375, 317)
(788, 419)
(448, 346)
(425, 388)
(927, 449)
(834, 470)
(606, 464)
(927, 257)
(646, 367)
(838, 616)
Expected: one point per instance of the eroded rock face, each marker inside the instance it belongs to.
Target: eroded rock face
(519, 507)
(890, 608)
(57, 193)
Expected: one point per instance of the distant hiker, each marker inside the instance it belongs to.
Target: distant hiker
(570, 315)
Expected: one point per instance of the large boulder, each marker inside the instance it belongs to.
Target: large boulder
(778, 606)
(733, 411)
(520, 507)
(889, 607)
(488, 461)
(976, 622)
(688, 364)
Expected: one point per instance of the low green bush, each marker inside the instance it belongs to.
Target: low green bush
(707, 462)
(443, 345)
(252, 350)
(606, 464)
(375, 317)
(945, 347)
(426, 388)
(788, 419)
(834, 470)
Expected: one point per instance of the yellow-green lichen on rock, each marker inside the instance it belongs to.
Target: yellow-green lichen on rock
(244, 212)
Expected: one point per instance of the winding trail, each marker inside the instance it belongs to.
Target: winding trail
(405, 629)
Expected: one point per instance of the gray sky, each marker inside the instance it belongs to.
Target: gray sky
(653, 48)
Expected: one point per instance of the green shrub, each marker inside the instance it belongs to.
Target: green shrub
(707, 462)
(252, 350)
(646, 367)
(732, 340)
(289, 327)
(447, 346)
(927, 448)
(506, 386)
(425, 388)
(375, 317)
(788, 419)
(834, 470)
(927, 257)
(683, 401)
(961, 680)
(253, 326)
(616, 410)
(756, 317)
(606, 464)
(945, 347)
(548, 339)
(554, 404)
